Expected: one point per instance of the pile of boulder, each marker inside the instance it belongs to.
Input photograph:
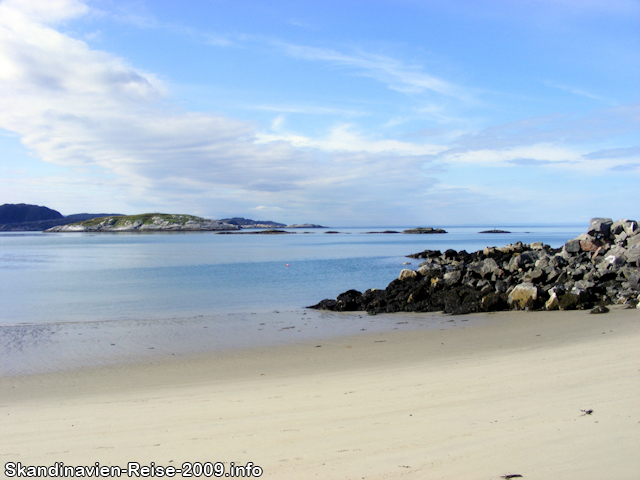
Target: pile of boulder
(598, 268)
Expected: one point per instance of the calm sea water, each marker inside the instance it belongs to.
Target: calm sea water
(70, 301)
(68, 277)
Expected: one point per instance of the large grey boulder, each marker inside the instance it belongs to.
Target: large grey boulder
(588, 243)
(633, 255)
(631, 241)
(451, 278)
(536, 275)
(484, 268)
(600, 227)
(429, 268)
(523, 260)
(621, 238)
(572, 246)
(630, 227)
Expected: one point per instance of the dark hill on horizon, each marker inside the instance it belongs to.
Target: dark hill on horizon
(21, 212)
(21, 217)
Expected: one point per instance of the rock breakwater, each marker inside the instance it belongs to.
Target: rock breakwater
(600, 267)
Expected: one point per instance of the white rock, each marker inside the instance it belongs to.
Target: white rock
(523, 294)
(553, 303)
(406, 273)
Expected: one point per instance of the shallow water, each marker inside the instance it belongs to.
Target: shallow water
(50, 347)
(74, 300)
(88, 277)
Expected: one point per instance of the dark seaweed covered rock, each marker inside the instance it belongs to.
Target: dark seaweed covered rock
(348, 301)
(597, 268)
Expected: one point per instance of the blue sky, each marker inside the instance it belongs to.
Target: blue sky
(341, 113)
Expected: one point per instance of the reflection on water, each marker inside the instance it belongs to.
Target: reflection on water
(41, 348)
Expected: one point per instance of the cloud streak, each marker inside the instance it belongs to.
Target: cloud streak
(580, 92)
(396, 74)
(558, 142)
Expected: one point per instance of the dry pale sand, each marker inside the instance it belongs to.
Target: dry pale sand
(502, 396)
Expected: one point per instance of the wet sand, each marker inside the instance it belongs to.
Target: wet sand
(498, 394)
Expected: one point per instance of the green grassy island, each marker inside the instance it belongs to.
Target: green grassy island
(146, 222)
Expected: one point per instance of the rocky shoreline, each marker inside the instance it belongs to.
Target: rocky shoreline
(598, 268)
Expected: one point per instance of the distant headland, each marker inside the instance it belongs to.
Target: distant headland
(21, 217)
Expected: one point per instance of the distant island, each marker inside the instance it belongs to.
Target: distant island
(147, 222)
(422, 230)
(248, 223)
(305, 225)
(495, 230)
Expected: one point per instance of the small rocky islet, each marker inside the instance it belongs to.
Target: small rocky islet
(598, 268)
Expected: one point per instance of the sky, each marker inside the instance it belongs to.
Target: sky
(343, 113)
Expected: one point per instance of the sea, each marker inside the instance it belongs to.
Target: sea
(71, 300)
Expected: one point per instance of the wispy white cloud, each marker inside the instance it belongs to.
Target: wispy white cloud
(590, 128)
(133, 14)
(628, 152)
(532, 162)
(307, 110)
(267, 208)
(431, 112)
(395, 73)
(579, 91)
(297, 23)
(82, 108)
(557, 142)
(626, 167)
(526, 155)
(344, 138)
(42, 11)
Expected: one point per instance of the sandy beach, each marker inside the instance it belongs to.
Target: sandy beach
(502, 394)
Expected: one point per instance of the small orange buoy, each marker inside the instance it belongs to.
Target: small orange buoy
(287, 264)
